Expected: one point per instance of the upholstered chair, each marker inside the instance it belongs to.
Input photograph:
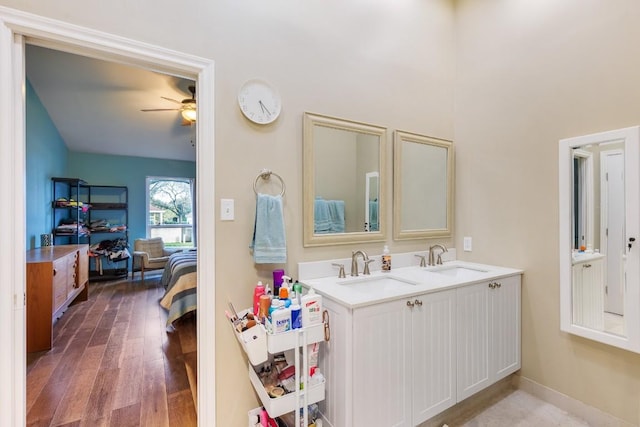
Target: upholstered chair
(149, 254)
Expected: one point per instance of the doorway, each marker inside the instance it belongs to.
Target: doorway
(613, 229)
(17, 28)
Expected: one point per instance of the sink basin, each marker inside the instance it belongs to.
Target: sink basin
(377, 283)
(459, 272)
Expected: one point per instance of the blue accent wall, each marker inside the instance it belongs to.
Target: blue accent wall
(100, 169)
(46, 157)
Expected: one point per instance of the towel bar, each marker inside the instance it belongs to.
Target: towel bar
(266, 175)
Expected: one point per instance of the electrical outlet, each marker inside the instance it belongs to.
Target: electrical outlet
(226, 210)
(467, 244)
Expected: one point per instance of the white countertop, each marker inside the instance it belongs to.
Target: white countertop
(355, 292)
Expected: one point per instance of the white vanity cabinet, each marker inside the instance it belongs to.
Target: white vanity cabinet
(409, 344)
(400, 368)
(488, 333)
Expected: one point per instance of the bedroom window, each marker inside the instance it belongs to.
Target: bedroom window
(170, 210)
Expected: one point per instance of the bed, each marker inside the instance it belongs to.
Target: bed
(179, 282)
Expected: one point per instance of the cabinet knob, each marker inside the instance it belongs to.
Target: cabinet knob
(492, 285)
(410, 304)
(55, 271)
(418, 303)
(586, 265)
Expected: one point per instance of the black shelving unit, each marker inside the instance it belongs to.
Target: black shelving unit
(108, 222)
(69, 211)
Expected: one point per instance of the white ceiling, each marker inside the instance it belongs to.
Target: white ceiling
(95, 105)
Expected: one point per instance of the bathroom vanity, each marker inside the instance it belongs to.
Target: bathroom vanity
(408, 344)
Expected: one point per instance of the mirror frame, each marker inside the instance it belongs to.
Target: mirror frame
(399, 137)
(311, 120)
(631, 138)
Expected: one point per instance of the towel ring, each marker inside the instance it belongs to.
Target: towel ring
(266, 175)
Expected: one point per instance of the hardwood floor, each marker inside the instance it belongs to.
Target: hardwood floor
(114, 363)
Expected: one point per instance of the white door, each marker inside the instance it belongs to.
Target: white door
(613, 220)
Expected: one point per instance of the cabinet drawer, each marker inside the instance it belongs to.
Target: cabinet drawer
(59, 282)
(72, 272)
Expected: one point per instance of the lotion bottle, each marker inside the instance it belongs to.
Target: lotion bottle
(311, 309)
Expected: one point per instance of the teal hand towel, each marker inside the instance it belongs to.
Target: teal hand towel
(321, 219)
(336, 215)
(269, 242)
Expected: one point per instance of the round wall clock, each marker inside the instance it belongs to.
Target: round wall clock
(259, 101)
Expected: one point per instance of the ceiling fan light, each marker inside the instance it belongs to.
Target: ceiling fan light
(189, 114)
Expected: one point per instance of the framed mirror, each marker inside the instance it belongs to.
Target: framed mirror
(343, 181)
(423, 171)
(599, 224)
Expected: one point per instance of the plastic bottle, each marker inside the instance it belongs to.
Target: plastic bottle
(284, 288)
(264, 305)
(296, 316)
(386, 259)
(281, 320)
(257, 292)
(277, 280)
(297, 288)
(275, 304)
(311, 306)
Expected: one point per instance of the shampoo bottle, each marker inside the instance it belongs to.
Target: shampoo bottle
(311, 306)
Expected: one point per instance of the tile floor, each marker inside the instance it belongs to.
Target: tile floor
(521, 409)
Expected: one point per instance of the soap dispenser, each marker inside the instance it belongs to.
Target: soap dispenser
(386, 259)
(284, 291)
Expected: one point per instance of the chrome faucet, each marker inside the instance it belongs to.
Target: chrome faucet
(431, 257)
(423, 262)
(354, 262)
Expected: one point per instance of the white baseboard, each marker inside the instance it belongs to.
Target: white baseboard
(591, 415)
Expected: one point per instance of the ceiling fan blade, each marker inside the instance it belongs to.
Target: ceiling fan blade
(160, 109)
(172, 100)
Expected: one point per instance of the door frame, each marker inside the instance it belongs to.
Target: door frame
(16, 28)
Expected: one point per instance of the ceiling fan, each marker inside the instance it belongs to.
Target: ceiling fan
(187, 107)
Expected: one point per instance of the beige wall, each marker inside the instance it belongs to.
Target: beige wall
(386, 63)
(531, 73)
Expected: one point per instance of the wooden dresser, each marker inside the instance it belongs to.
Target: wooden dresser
(57, 276)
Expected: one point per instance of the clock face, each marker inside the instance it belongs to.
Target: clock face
(259, 102)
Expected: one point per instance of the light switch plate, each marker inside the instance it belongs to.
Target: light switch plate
(467, 244)
(226, 210)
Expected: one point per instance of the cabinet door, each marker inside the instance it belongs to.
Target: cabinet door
(588, 294)
(83, 266)
(433, 350)
(472, 326)
(505, 327)
(381, 361)
(335, 364)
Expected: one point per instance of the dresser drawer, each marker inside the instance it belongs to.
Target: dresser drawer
(60, 279)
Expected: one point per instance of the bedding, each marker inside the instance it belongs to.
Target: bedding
(180, 284)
